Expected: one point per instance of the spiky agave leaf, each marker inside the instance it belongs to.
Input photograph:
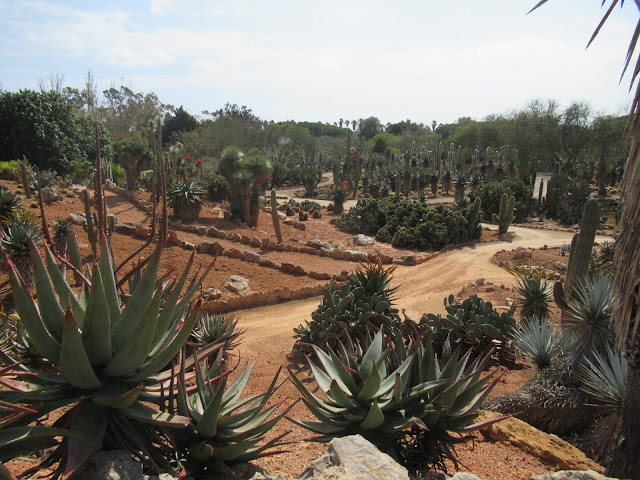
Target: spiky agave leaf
(540, 342)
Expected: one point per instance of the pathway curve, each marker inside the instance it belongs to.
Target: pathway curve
(422, 289)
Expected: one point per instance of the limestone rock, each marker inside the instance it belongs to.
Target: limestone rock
(291, 268)
(561, 266)
(125, 228)
(363, 240)
(354, 458)
(142, 231)
(172, 237)
(319, 245)
(237, 284)
(212, 294)
(251, 256)
(78, 218)
(214, 248)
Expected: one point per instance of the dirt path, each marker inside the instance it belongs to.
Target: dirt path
(421, 289)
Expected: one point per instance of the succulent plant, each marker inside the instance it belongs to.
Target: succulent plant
(540, 342)
(473, 324)
(363, 302)
(505, 215)
(104, 353)
(217, 328)
(18, 228)
(535, 296)
(8, 202)
(224, 429)
(61, 230)
(376, 395)
(186, 199)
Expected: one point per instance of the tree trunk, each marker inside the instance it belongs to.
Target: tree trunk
(624, 461)
(625, 457)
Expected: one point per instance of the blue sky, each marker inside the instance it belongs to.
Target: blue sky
(323, 60)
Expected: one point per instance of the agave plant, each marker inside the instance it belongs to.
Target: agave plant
(217, 328)
(588, 316)
(18, 229)
(364, 397)
(535, 296)
(8, 202)
(104, 353)
(540, 342)
(186, 199)
(225, 428)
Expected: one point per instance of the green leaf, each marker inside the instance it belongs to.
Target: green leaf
(370, 387)
(65, 295)
(111, 396)
(74, 361)
(109, 281)
(374, 418)
(90, 424)
(372, 355)
(96, 332)
(50, 310)
(146, 414)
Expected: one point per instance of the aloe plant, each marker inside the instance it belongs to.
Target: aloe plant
(225, 428)
(535, 296)
(365, 396)
(105, 353)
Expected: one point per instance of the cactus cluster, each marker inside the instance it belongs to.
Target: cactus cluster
(581, 246)
(505, 216)
(473, 324)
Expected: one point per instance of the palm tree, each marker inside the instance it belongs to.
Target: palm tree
(624, 461)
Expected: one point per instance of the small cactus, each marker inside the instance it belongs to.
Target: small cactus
(581, 246)
(474, 216)
(274, 216)
(505, 217)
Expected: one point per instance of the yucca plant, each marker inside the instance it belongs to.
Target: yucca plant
(364, 396)
(588, 316)
(603, 381)
(225, 429)
(535, 296)
(61, 230)
(186, 199)
(17, 230)
(8, 202)
(540, 342)
(105, 354)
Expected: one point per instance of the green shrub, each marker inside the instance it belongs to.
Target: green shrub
(565, 199)
(218, 188)
(9, 170)
(119, 175)
(490, 194)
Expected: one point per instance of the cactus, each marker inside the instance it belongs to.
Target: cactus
(474, 216)
(581, 246)
(91, 226)
(539, 207)
(25, 179)
(274, 215)
(504, 219)
(356, 180)
(397, 182)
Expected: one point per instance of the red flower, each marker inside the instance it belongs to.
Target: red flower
(187, 158)
(199, 161)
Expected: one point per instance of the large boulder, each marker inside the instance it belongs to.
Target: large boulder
(363, 240)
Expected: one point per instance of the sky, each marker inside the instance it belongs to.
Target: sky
(322, 60)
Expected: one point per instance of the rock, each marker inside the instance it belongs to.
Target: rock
(561, 266)
(212, 294)
(214, 248)
(237, 284)
(202, 230)
(69, 200)
(319, 275)
(354, 458)
(49, 195)
(472, 284)
(409, 260)
(191, 228)
(291, 268)
(234, 253)
(510, 301)
(572, 475)
(212, 231)
(546, 447)
(111, 465)
(480, 281)
(506, 264)
(384, 258)
(142, 231)
(256, 242)
(172, 237)
(319, 245)
(245, 239)
(125, 228)
(356, 256)
(188, 245)
(265, 262)
(363, 240)
(338, 254)
(78, 218)
(251, 256)
(457, 476)
(176, 224)
(300, 225)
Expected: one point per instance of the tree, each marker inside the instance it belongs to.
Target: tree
(44, 128)
(624, 461)
(180, 121)
(369, 128)
(134, 155)
(575, 129)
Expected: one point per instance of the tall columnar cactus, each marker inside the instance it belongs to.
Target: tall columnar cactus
(539, 208)
(398, 180)
(274, 215)
(91, 227)
(504, 219)
(474, 217)
(581, 246)
(25, 179)
(75, 258)
(356, 180)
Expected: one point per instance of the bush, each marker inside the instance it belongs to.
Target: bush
(9, 170)
(119, 175)
(566, 199)
(218, 188)
(490, 194)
